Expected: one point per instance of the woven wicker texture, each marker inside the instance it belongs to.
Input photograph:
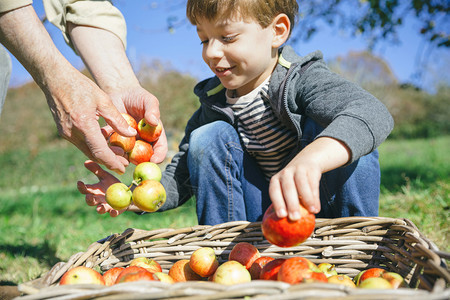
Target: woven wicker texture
(351, 244)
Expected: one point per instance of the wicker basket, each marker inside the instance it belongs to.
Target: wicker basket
(351, 244)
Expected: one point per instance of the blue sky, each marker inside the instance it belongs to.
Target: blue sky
(149, 39)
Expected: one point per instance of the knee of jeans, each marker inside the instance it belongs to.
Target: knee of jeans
(211, 135)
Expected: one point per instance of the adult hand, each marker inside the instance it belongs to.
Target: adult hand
(74, 100)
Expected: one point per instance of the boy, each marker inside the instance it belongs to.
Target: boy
(272, 126)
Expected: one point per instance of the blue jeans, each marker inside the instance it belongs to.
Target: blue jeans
(229, 185)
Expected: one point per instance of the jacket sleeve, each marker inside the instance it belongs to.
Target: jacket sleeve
(100, 14)
(346, 111)
(175, 178)
(7, 5)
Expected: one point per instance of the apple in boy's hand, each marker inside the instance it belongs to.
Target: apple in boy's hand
(125, 142)
(149, 195)
(203, 261)
(231, 272)
(82, 275)
(286, 233)
(148, 132)
(118, 196)
(244, 253)
(147, 171)
(110, 276)
(142, 152)
(149, 264)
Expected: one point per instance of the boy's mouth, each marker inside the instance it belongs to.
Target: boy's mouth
(222, 70)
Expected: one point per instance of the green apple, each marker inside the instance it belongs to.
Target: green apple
(146, 171)
(378, 283)
(328, 269)
(118, 196)
(149, 195)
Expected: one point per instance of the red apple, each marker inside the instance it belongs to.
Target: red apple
(341, 279)
(271, 269)
(181, 271)
(134, 273)
(130, 120)
(244, 253)
(118, 196)
(125, 142)
(110, 276)
(231, 272)
(82, 275)
(149, 195)
(148, 132)
(284, 232)
(149, 264)
(372, 272)
(146, 171)
(315, 277)
(163, 277)
(204, 261)
(142, 152)
(257, 265)
(298, 269)
(375, 283)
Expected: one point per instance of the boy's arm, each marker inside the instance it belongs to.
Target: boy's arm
(301, 177)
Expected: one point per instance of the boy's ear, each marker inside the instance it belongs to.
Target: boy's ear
(281, 27)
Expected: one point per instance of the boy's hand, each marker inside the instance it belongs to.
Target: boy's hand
(95, 193)
(299, 181)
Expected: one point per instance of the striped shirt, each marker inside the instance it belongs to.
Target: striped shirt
(262, 134)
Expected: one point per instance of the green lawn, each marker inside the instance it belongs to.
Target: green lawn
(43, 219)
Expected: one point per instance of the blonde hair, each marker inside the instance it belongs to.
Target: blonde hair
(262, 11)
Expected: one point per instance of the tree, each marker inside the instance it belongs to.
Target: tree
(376, 19)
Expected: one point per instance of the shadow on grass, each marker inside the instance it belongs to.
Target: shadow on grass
(44, 252)
(393, 177)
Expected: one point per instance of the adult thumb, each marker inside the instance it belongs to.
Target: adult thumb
(115, 119)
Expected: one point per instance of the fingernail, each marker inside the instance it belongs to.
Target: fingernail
(294, 216)
(131, 130)
(282, 213)
(314, 209)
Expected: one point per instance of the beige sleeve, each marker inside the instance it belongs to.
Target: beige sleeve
(7, 5)
(100, 14)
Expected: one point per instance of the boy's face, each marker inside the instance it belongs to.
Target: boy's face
(239, 52)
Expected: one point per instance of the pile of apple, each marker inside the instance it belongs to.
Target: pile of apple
(245, 263)
(138, 149)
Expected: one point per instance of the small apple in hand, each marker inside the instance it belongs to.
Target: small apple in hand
(118, 196)
(149, 195)
(82, 275)
(125, 142)
(286, 233)
(130, 120)
(148, 132)
(142, 152)
(147, 171)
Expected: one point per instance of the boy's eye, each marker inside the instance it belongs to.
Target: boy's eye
(204, 42)
(228, 38)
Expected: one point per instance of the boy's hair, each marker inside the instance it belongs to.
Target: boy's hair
(262, 11)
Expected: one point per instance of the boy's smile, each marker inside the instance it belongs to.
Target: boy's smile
(239, 52)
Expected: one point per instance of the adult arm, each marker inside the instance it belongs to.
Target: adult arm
(74, 100)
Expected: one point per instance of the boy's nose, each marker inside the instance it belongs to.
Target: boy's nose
(214, 49)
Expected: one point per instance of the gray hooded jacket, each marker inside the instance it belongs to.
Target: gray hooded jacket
(299, 87)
